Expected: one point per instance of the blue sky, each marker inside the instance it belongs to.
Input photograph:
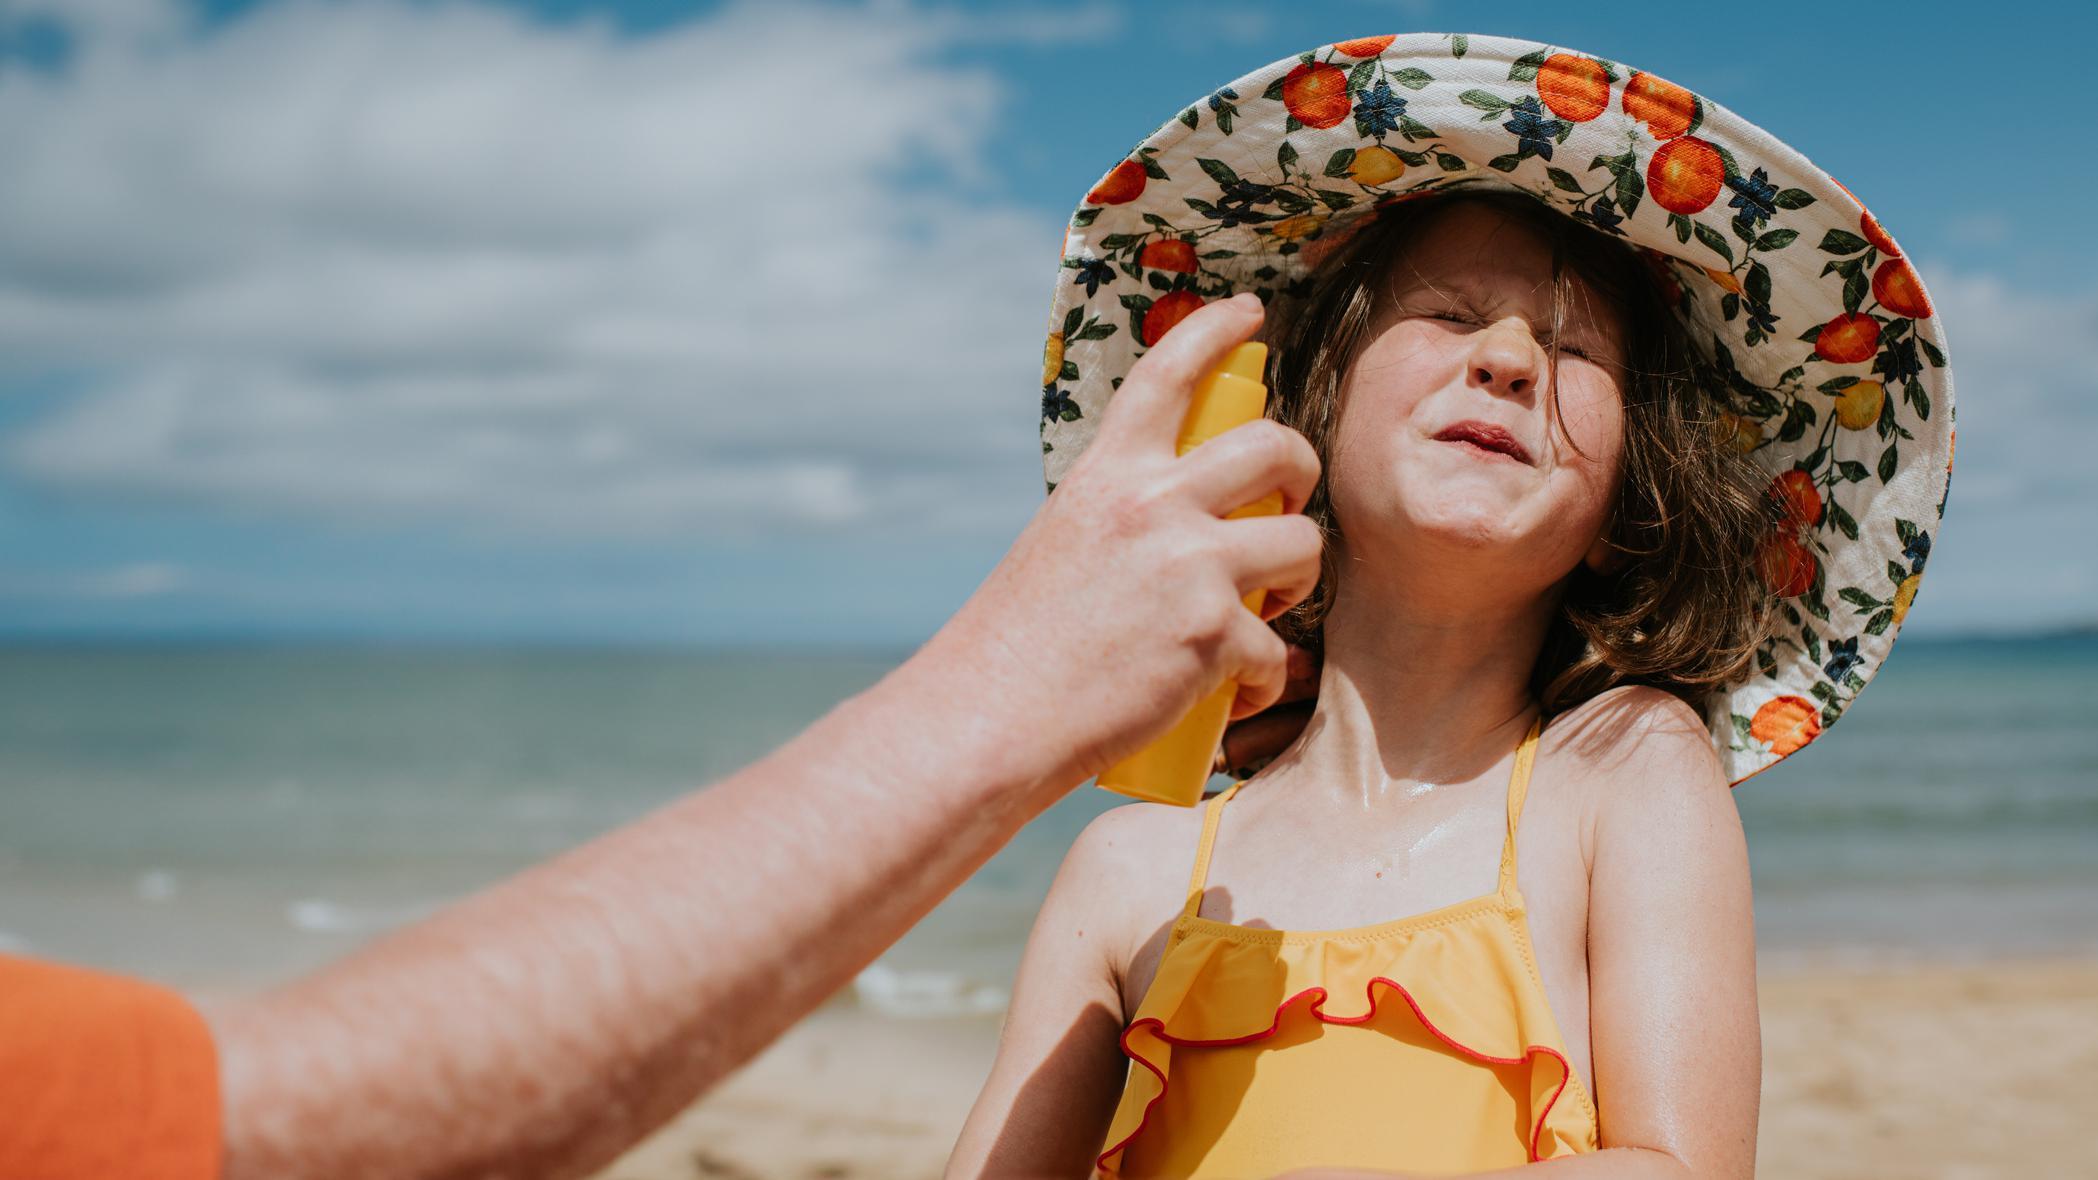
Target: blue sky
(577, 320)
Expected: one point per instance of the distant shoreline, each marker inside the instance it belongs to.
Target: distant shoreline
(607, 645)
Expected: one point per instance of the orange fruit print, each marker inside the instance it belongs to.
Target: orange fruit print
(1366, 46)
(1869, 225)
(1848, 339)
(1795, 491)
(1316, 94)
(1666, 108)
(1787, 723)
(1894, 284)
(1575, 87)
(1169, 254)
(1786, 564)
(1685, 174)
(1121, 186)
(1170, 309)
(1877, 236)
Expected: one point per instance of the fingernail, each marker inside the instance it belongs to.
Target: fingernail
(1246, 299)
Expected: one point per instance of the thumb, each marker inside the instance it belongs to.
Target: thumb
(1153, 401)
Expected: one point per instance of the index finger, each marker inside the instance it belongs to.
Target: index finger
(1153, 400)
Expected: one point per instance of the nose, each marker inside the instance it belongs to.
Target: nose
(1506, 359)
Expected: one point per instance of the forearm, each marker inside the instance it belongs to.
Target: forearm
(542, 1025)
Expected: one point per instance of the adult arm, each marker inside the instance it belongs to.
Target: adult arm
(539, 1027)
(1674, 1031)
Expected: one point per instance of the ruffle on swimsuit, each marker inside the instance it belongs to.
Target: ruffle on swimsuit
(1468, 1072)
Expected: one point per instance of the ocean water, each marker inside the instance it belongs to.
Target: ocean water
(233, 815)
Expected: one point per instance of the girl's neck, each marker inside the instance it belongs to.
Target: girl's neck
(1419, 686)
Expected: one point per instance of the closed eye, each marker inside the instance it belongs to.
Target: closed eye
(1472, 319)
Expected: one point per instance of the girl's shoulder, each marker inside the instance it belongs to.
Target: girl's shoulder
(1144, 850)
(1128, 872)
(1620, 721)
(1634, 755)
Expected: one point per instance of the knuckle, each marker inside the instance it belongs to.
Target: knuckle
(1134, 510)
(1274, 653)
(1272, 444)
(1306, 538)
(1159, 365)
(1304, 456)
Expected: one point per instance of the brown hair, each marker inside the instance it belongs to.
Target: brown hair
(1687, 608)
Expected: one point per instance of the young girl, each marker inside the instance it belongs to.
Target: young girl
(1492, 906)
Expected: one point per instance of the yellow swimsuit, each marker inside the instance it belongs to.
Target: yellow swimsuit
(1423, 1044)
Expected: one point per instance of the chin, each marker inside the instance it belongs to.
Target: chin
(1449, 518)
(1465, 522)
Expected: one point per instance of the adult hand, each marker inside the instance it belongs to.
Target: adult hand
(1131, 552)
(1250, 743)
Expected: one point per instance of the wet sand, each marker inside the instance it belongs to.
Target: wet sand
(1960, 1072)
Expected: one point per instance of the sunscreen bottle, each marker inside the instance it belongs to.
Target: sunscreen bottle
(1174, 768)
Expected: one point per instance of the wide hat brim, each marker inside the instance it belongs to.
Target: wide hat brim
(1825, 345)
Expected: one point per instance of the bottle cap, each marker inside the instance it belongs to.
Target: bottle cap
(1229, 394)
(1248, 360)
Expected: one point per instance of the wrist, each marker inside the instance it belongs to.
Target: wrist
(966, 711)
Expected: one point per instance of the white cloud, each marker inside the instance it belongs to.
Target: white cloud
(2015, 550)
(377, 258)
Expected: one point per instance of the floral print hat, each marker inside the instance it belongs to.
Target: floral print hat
(1818, 332)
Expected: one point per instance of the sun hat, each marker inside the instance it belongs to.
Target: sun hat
(1818, 334)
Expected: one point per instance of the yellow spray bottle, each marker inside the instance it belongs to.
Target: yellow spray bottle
(1174, 768)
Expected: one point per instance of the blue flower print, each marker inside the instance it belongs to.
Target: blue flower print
(1604, 215)
(1377, 110)
(1754, 196)
(1917, 551)
(1091, 273)
(1534, 132)
(1237, 204)
(1057, 404)
(1843, 656)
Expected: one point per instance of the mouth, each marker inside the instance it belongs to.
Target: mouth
(1485, 436)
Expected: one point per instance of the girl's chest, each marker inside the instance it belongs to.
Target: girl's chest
(1268, 872)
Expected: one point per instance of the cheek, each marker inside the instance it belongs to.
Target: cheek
(1588, 438)
(1384, 387)
(1591, 410)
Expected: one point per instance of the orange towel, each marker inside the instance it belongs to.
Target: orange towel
(103, 1076)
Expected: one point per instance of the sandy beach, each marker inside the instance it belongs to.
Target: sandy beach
(1960, 1072)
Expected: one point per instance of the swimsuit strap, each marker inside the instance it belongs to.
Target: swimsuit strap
(1518, 786)
(1210, 813)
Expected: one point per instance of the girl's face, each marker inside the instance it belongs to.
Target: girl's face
(1447, 442)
